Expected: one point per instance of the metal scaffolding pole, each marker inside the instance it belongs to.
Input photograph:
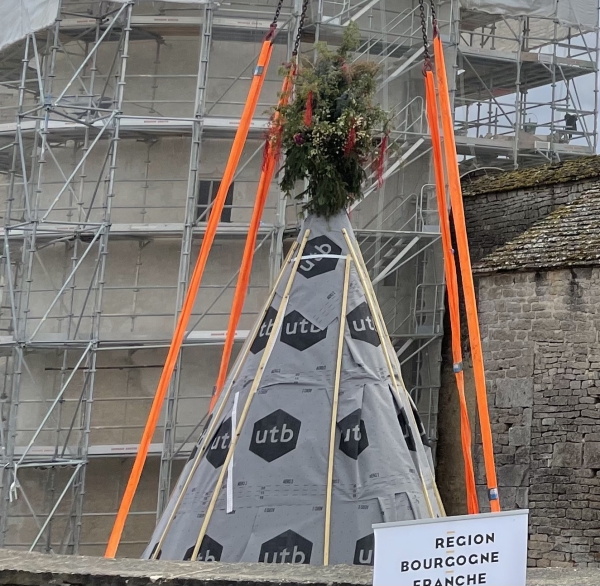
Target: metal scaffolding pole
(36, 218)
(169, 434)
(99, 275)
(75, 125)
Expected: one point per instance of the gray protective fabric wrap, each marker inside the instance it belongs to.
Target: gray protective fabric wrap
(280, 462)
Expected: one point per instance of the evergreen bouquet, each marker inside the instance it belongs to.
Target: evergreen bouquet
(332, 130)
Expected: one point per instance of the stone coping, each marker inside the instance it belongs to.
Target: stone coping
(33, 569)
(571, 170)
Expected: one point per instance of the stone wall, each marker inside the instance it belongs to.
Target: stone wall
(540, 335)
(33, 569)
(493, 219)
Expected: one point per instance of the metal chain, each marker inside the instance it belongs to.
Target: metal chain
(434, 21)
(426, 56)
(300, 28)
(273, 26)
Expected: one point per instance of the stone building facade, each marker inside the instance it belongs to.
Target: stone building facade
(537, 249)
(541, 336)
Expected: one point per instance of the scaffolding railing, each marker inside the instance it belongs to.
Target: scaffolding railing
(113, 119)
(520, 80)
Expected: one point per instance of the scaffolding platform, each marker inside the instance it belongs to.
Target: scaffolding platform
(484, 68)
(151, 95)
(131, 126)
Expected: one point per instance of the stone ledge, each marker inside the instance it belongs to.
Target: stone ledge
(25, 569)
(31, 569)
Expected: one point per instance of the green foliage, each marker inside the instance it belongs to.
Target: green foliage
(331, 148)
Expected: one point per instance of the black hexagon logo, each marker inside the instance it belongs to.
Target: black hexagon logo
(311, 267)
(422, 432)
(275, 435)
(262, 336)
(219, 446)
(286, 548)
(406, 430)
(353, 435)
(193, 453)
(210, 551)
(300, 333)
(200, 439)
(362, 325)
(364, 550)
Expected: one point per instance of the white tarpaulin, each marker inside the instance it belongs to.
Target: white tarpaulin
(582, 13)
(574, 12)
(22, 17)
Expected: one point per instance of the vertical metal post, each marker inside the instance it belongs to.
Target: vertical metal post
(166, 463)
(385, 104)
(276, 252)
(553, 95)
(521, 21)
(86, 415)
(8, 449)
(596, 57)
(72, 545)
(23, 291)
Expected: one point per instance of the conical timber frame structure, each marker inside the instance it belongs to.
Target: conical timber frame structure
(315, 437)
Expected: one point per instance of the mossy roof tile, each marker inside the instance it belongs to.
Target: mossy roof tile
(568, 237)
(564, 172)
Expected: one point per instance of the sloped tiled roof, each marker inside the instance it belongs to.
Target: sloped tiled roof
(568, 237)
(565, 172)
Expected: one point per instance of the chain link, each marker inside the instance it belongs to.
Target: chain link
(273, 26)
(434, 21)
(300, 28)
(426, 56)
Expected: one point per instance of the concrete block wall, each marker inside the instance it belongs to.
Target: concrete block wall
(124, 387)
(106, 479)
(139, 289)
(151, 180)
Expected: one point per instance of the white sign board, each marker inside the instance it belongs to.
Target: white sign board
(469, 550)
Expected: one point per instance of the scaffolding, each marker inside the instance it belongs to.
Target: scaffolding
(527, 90)
(115, 124)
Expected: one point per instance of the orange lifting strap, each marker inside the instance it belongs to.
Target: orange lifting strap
(190, 298)
(271, 156)
(452, 289)
(460, 229)
(266, 176)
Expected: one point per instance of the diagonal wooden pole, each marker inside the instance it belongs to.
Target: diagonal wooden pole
(222, 403)
(393, 359)
(383, 336)
(255, 384)
(334, 412)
